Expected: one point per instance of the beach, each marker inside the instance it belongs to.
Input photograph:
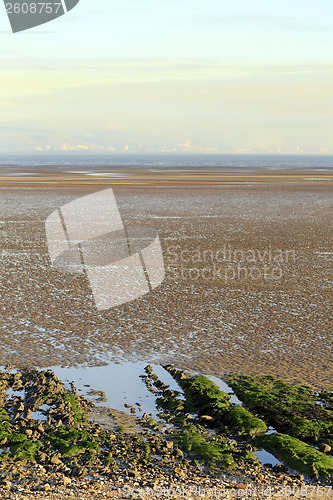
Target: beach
(248, 284)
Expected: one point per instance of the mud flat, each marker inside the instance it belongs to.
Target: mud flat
(248, 286)
(248, 290)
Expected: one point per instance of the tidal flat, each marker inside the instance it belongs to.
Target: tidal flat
(242, 314)
(247, 293)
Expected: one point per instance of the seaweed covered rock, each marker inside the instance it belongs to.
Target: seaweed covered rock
(292, 409)
(207, 398)
(299, 456)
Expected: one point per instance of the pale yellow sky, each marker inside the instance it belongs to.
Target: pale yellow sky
(227, 78)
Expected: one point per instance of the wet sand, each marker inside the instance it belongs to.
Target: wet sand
(215, 312)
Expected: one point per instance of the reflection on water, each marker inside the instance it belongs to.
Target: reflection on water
(266, 458)
(120, 382)
(225, 388)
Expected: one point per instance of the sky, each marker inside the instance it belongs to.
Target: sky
(186, 76)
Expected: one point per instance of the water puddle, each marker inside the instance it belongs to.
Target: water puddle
(121, 384)
(266, 458)
(39, 415)
(225, 388)
(271, 430)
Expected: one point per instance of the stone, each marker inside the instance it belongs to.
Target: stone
(324, 447)
(169, 445)
(178, 452)
(133, 473)
(209, 418)
(280, 468)
(7, 484)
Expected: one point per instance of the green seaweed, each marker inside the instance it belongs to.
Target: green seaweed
(299, 456)
(72, 442)
(78, 414)
(24, 449)
(242, 421)
(291, 409)
(205, 396)
(214, 454)
(4, 415)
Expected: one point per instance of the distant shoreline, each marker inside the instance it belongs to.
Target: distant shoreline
(196, 176)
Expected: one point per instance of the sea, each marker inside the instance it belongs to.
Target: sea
(75, 163)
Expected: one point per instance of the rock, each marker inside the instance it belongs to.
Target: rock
(178, 453)
(55, 461)
(47, 487)
(169, 393)
(7, 484)
(179, 471)
(133, 473)
(169, 445)
(240, 486)
(28, 432)
(206, 418)
(66, 480)
(324, 447)
(280, 468)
